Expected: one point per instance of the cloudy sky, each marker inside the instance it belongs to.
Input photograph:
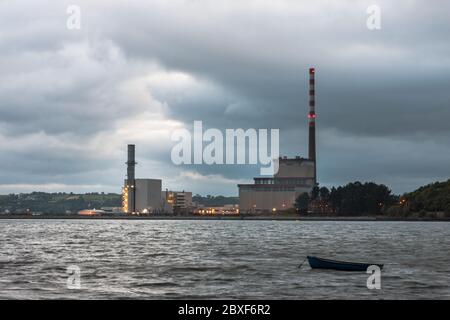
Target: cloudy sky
(70, 100)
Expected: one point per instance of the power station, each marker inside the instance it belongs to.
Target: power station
(294, 177)
(141, 196)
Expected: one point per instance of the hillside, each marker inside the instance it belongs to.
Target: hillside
(215, 201)
(434, 197)
(62, 202)
(57, 202)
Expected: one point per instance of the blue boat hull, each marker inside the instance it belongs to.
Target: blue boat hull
(319, 263)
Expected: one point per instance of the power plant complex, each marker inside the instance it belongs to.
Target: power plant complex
(294, 177)
(267, 194)
(146, 195)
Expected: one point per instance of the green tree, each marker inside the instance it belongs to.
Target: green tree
(324, 194)
(302, 202)
(434, 197)
(315, 193)
(361, 198)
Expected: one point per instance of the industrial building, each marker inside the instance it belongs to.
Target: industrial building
(294, 177)
(91, 212)
(228, 209)
(177, 201)
(148, 195)
(140, 195)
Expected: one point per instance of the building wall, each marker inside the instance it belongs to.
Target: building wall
(257, 199)
(183, 199)
(177, 199)
(148, 194)
(295, 176)
(297, 167)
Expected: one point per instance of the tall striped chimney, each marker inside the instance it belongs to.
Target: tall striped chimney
(312, 120)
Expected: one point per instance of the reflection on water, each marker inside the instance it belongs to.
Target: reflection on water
(220, 259)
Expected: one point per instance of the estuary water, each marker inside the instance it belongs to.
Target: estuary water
(212, 259)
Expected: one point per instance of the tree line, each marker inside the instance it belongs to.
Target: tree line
(57, 202)
(357, 198)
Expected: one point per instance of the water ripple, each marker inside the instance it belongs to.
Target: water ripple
(220, 259)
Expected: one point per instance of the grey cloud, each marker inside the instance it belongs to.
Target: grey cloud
(390, 76)
(386, 88)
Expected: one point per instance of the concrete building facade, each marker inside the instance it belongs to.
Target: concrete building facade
(147, 195)
(176, 201)
(294, 177)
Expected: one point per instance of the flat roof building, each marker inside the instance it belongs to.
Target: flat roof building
(294, 177)
(177, 201)
(147, 195)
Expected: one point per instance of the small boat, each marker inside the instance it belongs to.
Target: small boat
(319, 263)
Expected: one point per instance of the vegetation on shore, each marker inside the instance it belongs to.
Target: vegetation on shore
(430, 200)
(214, 201)
(60, 202)
(369, 198)
(356, 199)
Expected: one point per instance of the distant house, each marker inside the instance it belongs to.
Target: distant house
(228, 209)
(91, 212)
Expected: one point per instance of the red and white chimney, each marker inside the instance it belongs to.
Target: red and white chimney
(312, 120)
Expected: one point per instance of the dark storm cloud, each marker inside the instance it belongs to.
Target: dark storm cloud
(382, 96)
(369, 82)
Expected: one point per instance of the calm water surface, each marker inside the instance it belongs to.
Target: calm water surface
(220, 259)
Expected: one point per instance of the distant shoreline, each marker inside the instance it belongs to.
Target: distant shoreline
(242, 217)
